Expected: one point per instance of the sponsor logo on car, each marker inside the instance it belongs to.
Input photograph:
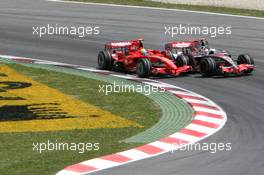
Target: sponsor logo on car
(182, 44)
(120, 44)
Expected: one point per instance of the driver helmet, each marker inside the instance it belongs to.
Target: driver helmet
(140, 43)
(204, 43)
(143, 51)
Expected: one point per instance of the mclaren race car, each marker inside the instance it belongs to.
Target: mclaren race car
(131, 56)
(209, 61)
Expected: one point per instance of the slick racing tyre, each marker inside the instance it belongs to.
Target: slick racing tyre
(143, 69)
(105, 60)
(182, 60)
(245, 59)
(208, 67)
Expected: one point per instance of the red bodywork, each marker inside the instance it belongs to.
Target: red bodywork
(236, 70)
(128, 53)
(228, 66)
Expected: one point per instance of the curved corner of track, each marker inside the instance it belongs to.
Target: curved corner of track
(207, 120)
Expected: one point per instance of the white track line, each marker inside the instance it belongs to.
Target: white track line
(100, 163)
(164, 146)
(200, 128)
(208, 119)
(134, 154)
(185, 137)
(157, 8)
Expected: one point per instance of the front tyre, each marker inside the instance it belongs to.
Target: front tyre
(143, 69)
(105, 60)
(208, 67)
(245, 59)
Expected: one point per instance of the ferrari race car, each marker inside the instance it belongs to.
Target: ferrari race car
(209, 61)
(132, 57)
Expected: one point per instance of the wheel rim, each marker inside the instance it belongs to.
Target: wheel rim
(101, 60)
(242, 60)
(180, 63)
(140, 68)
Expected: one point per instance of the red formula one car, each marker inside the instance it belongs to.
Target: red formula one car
(131, 56)
(209, 61)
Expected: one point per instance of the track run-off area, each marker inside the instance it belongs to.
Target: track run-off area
(207, 120)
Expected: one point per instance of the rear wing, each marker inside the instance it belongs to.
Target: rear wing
(171, 45)
(187, 44)
(134, 44)
(114, 45)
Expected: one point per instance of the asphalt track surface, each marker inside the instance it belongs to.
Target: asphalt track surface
(241, 97)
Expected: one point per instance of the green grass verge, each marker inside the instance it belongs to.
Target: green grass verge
(17, 156)
(147, 3)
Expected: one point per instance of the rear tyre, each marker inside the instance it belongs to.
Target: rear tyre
(182, 60)
(143, 68)
(208, 67)
(105, 60)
